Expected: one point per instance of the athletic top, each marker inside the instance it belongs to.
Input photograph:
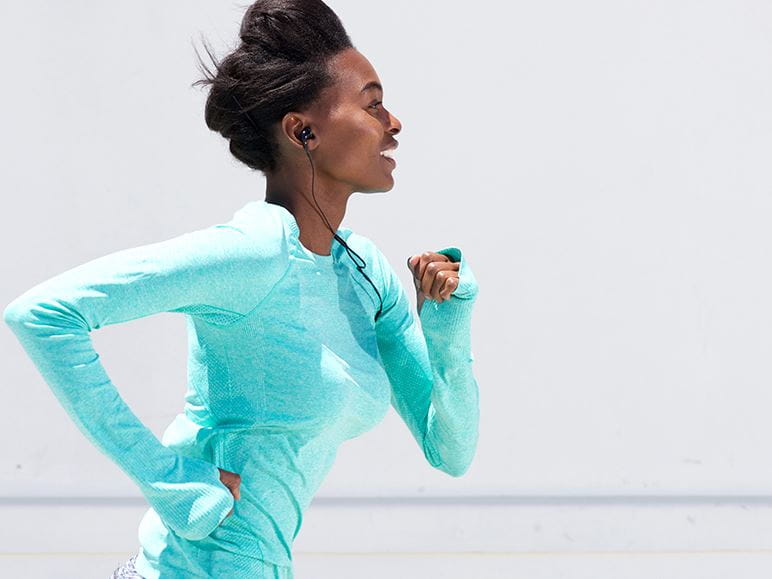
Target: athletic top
(285, 362)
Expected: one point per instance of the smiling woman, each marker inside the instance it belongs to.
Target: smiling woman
(297, 342)
(296, 91)
(331, 81)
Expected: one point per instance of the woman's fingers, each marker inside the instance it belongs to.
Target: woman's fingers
(450, 284)
(418, 263)
(435, 275)
(445, 281)
(432, 275)
(231, 480)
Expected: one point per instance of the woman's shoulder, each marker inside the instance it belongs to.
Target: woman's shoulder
(263, 227)
(245, 255)
(253, 236)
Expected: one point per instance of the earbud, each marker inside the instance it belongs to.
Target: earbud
(306, 134)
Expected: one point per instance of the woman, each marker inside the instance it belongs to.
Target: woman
(300, 333)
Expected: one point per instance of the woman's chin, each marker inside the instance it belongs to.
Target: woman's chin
(390, 184)
(385, 182)
(379, 188)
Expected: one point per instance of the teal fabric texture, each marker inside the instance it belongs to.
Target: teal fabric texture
(285, 362)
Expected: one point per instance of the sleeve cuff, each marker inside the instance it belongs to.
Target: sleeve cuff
(454, 314)
(194, 506)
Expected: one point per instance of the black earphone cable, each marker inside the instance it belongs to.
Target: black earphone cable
(305, 135)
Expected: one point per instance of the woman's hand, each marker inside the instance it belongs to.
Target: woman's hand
(232, 481)
(434, 276)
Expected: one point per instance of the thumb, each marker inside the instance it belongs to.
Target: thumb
(412, 261)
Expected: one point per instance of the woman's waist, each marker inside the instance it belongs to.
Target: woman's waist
(275, 465)
(274, 491)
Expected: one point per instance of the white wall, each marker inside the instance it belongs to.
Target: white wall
(605, 167)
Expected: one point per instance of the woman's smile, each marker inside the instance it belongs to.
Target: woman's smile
(388, 154)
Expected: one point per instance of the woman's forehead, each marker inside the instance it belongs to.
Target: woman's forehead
(355, 75)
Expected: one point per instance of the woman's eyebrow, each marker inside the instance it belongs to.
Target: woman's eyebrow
(373, 84)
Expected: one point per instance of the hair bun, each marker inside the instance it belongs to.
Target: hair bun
(254, 28)
(281, 65)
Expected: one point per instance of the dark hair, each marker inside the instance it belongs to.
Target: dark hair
(281, 65)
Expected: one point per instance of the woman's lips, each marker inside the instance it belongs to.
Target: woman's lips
(390, 160)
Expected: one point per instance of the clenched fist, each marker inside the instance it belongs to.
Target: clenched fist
(434, 276)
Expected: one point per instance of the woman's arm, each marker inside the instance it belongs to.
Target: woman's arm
(430, 367)
(220, 272)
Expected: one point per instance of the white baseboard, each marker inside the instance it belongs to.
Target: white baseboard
(491, 526)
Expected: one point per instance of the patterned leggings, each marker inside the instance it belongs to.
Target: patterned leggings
(127, 570)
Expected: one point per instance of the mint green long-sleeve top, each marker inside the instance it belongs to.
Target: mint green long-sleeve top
(285, 362)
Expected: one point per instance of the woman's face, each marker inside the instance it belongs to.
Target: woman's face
(351, 127)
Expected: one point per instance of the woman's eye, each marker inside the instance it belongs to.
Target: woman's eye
(375, 105)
